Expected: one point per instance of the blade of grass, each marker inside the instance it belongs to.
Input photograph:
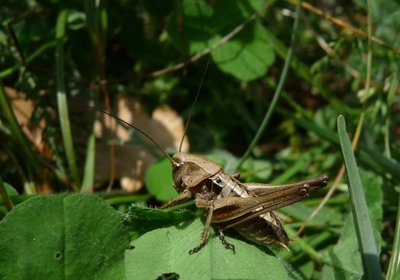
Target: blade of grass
(97, 24)
(314, 242)
(394, 263)
(88, 177)
(278, 90)
(62, 98)
(362, 221)
(24, 149)
(392, 92)
(305, 247)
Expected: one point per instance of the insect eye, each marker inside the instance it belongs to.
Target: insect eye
(176, 165)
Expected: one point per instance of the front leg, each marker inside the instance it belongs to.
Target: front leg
(185, 195)
(210, 210)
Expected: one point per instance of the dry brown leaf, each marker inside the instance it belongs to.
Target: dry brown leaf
(131, 161)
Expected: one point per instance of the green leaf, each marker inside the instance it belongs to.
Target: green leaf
(159, 180)
(6, 192)
(247, 56)
(236, 11)
(89, 172)
(11, 191)
(137, 212)
(170, 246)
(77, 236)
(62, 100)
(345, 256)
(198, 31)
(141, 219)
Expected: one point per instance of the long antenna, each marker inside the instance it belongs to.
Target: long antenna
(194, 103)
(138, 129)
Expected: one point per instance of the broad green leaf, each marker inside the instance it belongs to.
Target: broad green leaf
(159, 180)
(140, 219)
(166, 251)
(236, 11)
(77, 236)
(198, 30)
(345, 256)
(247, 56)
(204, 24)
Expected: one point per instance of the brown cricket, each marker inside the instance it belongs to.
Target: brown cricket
(228, 203)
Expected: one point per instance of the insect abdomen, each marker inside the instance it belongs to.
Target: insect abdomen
(265, 228)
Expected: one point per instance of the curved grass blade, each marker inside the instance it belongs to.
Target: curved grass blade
(394, 264)
(278, 90)
(362, 221)
(4, 195)
(33, 172)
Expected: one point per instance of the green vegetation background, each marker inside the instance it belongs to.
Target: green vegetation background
(278, 69)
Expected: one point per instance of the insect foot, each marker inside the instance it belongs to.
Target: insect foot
(224, 242)
(196, 249)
